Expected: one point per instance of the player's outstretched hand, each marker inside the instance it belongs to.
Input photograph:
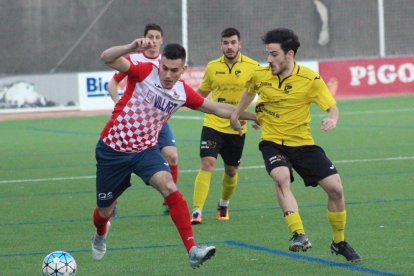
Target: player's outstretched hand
(256, 125)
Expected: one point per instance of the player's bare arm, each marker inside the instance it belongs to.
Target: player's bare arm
(113, 56)
(329, 123)
(224, 110)
(203, 93)
(235, 117)
(113, 90)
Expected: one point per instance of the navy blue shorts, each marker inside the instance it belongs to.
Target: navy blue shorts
(114, 169)
(310, 162)
(166, 137)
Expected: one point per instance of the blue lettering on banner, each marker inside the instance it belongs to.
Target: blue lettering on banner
(164, 104)
(95, 87)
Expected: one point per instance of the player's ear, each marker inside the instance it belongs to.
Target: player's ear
(184, 68)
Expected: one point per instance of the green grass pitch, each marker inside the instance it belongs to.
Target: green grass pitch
(47, 197)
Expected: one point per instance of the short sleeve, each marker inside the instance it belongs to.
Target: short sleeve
(250, 85)
(320, 94)
(119, 76)
(193, 99)
(140, 70)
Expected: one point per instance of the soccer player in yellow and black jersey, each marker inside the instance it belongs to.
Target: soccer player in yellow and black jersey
(225, 79)
(285, 92)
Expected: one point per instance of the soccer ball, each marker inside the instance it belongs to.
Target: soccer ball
(59, 263)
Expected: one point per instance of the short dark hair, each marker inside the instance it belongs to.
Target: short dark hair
(287, 39)
(230, 32)
(174, 51)
(150, 27)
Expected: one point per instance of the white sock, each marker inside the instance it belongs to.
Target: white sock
(224, 203)
(197, 211)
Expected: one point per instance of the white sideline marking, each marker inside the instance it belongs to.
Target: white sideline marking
(398, 158)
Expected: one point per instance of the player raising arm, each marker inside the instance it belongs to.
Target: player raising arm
(127, 142)
(166, 140)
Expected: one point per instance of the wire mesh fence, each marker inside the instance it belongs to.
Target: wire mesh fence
(65, 36)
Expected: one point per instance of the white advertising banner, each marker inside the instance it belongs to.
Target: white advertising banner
(314, 65)
(84, 91)
(93, 90)
(36, 93)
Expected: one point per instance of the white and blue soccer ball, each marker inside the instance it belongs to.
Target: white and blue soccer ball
(59, 263)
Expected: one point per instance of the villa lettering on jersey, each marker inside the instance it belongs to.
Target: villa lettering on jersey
(385, 74)
(164, 104)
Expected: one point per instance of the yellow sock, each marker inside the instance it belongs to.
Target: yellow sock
(337, 221)
(201, 187)
(229, 186)
(294, 223)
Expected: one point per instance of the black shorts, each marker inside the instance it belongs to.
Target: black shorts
(310, 162)
(229, 146)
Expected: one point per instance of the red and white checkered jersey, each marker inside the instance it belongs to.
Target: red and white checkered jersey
(135, 58)
(140, 114)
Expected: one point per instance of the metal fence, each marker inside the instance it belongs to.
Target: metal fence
(41, 36)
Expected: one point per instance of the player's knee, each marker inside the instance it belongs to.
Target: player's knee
(231, 171)
(336, 192)
(281, 176)
(170, 188)
(333, 187)
(170, 154)
(172, 159)
(208, 164)
(106, 212)
(282, 179)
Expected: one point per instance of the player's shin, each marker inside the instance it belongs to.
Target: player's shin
(337, 221)
(100, 222)
(181, 217)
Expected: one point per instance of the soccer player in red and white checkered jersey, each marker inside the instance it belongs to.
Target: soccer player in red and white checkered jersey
(166, 140)
(127, 142)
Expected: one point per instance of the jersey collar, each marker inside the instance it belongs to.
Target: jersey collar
(296, 69)
(148, 57)
(239, 59)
